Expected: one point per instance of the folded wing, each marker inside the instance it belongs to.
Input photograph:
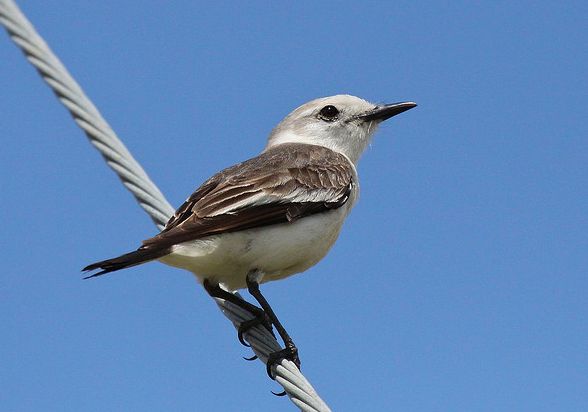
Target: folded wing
(281, 185)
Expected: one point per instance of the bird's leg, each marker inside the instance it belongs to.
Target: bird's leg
(290, 351)
(260, 317)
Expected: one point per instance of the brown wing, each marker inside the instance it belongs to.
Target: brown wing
(281, 185)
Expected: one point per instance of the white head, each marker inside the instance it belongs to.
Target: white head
(342, 123)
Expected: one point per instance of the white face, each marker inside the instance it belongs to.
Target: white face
(333, 122)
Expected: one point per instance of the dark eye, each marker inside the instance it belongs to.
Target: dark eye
(329, 113)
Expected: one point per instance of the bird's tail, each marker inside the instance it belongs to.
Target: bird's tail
(127, 260)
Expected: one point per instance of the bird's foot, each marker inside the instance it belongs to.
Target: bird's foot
(290, 352)
(261, 318)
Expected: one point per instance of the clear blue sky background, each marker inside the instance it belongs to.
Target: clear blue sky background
(459, 281)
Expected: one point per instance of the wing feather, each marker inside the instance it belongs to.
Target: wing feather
(281, 185)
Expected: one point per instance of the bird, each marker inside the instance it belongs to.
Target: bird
(272, 216)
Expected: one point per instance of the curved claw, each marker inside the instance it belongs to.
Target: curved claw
(283, 393)
(251, 358)
(268, 369)
(240, 333)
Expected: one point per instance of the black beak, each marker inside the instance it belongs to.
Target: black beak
(381, 113)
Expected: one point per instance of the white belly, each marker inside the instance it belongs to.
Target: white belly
(277, 251)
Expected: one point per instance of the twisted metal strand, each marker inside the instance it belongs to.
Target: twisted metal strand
(134, 178)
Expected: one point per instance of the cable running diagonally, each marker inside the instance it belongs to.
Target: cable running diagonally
(132, 175)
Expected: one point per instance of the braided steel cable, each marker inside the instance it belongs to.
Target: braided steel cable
(134, 178)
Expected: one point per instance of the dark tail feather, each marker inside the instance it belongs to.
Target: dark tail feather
(127, 260)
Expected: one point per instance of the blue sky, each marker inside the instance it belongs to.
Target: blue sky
(458, 283)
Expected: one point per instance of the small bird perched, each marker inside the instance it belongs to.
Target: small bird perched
(271, 216)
